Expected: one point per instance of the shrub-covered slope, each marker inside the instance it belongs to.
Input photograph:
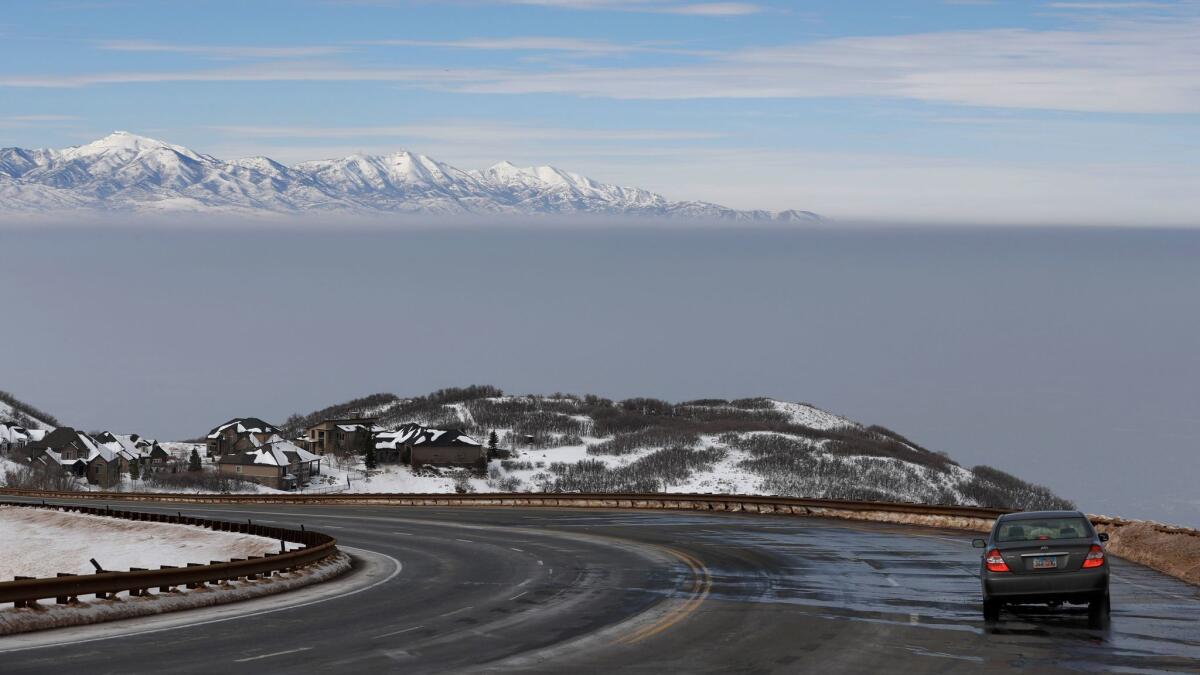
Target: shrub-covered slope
(568, 443)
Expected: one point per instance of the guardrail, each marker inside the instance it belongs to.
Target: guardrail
(66, 588)
(660, 500)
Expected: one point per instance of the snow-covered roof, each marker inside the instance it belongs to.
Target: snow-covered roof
(275, 452)
(245, 425)
(58, 459)
(13, 433)
(415, 434)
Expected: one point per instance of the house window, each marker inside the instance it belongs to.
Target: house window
(237, 469)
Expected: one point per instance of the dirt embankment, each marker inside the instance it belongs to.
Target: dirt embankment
(1170, 550)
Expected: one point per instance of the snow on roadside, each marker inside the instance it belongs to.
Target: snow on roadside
(45, 615)
(39, 543)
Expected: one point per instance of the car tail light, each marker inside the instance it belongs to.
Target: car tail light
(1095, 557)
(995, 561)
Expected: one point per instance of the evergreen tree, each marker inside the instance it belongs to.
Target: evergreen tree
(369, 460)
(493, 442)
(194, 463)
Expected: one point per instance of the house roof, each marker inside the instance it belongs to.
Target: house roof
(53, 456)
(67, 437)
(245, 425)
(416, 435)
(128, 446)
(13, 433)
(274, 452)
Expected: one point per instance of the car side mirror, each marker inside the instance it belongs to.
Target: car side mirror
(979, 543)
(1103, 536)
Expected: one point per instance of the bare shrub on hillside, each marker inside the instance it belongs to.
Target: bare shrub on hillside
(861, 478)
(761, 445)
(995, 488)
(197, 481)
(39, 478)
(669, 466)
(653, 437)
(674, 465)
(506, 484)
(592, 475)
(26, 413)
(297, 423)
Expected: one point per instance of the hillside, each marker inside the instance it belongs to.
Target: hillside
(125, 172)
(567, 443)
(15, 411)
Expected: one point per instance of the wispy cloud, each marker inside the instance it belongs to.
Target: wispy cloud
(222, 51)
(469, 133)
(540, 44)
(649, 6)
(20, 121)
(1148, 66)
(1109, 5)
(716, 9)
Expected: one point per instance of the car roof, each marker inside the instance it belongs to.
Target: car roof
(1030, 515)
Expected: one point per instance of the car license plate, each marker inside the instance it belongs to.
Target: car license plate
(1045, 563)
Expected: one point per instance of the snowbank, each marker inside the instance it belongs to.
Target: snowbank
(1170, 550)
(48, 615)
(39, 543)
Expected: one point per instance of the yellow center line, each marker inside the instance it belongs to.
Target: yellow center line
(700, 588)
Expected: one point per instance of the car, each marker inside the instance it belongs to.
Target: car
(1050, 557)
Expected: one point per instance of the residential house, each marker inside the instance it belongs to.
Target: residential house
(419, 446)
(275, 463)
(132, 447)
(70, 450)
(104, 467)
(232, 436)
(341, 436)
(14, 437)
(66, 443)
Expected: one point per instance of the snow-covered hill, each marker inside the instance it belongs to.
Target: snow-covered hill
(567, 443)
(14, 412)
(124, 172)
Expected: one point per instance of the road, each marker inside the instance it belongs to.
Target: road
(507, 589)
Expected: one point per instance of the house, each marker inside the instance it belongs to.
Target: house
(232, 436)
(341, 436)
(104, 467)
(13, 437)
(52, 460)
(132, 447)
(102, 459)
(66, 443)
(275, 463)
(419, 446)
(73, 451)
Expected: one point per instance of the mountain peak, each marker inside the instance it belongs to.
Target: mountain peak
(125, 142)
(125, 171)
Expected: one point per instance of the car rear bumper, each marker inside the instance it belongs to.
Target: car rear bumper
(1077, 586)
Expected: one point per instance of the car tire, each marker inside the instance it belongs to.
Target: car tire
(1098, 610)
(991, 610)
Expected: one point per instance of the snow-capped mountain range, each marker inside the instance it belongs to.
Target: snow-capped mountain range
(123, 172)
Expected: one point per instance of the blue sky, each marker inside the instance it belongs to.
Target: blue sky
(932, 111)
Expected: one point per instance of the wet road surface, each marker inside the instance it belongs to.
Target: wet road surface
(651, 591)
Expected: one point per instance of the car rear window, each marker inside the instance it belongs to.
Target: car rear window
(1039, 529)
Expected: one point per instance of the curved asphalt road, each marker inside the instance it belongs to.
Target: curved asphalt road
(489, 589)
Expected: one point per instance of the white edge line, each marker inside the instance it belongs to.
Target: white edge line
(397, 632)
(267, 656)
(393, 575)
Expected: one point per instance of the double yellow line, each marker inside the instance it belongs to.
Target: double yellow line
(700, 588)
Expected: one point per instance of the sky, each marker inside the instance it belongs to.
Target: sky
(925, 111)
(1065, 356)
